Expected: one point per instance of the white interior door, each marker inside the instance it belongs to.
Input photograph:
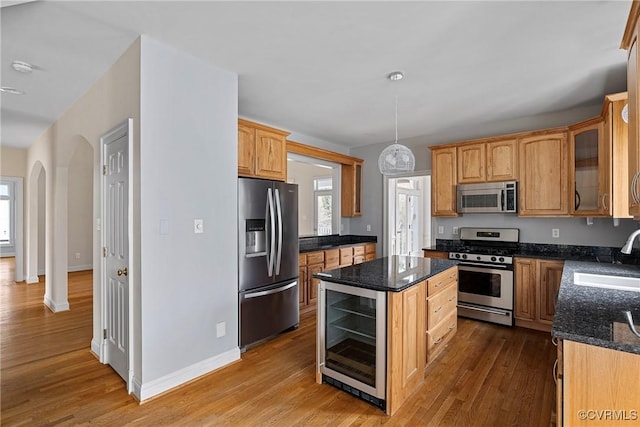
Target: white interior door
(409, 220)
(116, 251)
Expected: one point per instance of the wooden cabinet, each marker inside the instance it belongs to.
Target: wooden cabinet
(352, 189)
(630, 43)
(536, 285)
(435, 254)
(471, 163)
(589, 169)
(543, 175)
(443, 181)
(369, 251)
(405, 344)
(442, 313)
(346, 256)
(598, 386)
(309, 264)
(502, 160)
(262, 151)
(331, 259)
(616, 135)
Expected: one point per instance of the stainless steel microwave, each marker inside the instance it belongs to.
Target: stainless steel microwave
(490, 197)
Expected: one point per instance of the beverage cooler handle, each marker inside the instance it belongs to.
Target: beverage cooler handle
(272, 220)
(279, 250)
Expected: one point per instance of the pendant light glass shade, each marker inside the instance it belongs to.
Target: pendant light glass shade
(396, 158)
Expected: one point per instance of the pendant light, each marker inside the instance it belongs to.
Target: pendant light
(396, 158)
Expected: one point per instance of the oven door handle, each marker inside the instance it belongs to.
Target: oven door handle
(480, 264)
(484, 310)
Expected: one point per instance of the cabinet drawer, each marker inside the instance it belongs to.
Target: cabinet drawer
(331, 258)
(346, 256)
(370, 248)
(302, 260)
(358, 259)
(441, 305)
(440, 335)
(358, 250)
(440, 281)
(315, 258)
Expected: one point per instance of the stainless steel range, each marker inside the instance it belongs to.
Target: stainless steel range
(485, 278)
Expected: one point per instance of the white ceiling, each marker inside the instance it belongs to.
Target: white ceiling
(319, 68)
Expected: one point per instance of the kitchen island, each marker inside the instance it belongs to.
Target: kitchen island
(381, 322)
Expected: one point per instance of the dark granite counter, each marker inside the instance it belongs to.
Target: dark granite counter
(595, 315)
(318, 243)
(388, 274)
(600, 254)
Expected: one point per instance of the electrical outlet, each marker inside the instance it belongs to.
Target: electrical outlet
(368, 227)
(455, 230)
(441, 229)
(77, 255)
(221, 329)
(555, 233)
(198, 226)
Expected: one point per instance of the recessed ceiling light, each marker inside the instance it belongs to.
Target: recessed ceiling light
(395, 76)
(11, 90)
(22, 67)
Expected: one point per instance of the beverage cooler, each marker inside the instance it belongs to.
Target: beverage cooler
(352, 340)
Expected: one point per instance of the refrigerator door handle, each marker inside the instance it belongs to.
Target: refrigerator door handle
(279, 214)
(272, 221)
(271, 291)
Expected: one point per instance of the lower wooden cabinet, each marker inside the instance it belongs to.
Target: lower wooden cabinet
(311, 263)
(442, 312)
(536, 285)
(597, 386)
(435, 254)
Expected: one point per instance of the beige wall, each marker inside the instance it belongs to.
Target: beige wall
(80, 209)
(13, 161)
(303, 175)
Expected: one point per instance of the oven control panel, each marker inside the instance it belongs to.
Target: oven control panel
(470, 257)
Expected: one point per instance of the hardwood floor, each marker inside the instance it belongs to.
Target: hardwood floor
(488, 376)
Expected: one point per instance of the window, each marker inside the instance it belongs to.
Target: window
(323, 205)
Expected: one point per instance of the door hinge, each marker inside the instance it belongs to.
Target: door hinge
(104, 334)
(104, 169)
(105, 252)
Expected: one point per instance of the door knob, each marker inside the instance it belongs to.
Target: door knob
(123, 272)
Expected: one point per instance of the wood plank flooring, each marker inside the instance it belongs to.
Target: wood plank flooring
(488, 376)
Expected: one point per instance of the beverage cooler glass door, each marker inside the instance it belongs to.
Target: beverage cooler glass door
(353, 336)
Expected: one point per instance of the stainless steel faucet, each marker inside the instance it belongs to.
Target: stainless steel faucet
(626, 249)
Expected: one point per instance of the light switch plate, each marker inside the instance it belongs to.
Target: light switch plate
(198, 226)
(441, 229)
(221, 329)
(455, 230)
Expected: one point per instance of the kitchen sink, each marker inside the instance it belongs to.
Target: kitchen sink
(623, 283)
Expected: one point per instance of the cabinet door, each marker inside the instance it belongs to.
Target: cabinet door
(351, 189)
(616, 132)
(271, 155)
(634, 127)
(302, 286)
(550, 276)
(502, 160)
(588, 170)
(313, 283)
(471, 163)
(443, 182)
(406, 337)
(544, 176)
(525, 289)
(246, 150)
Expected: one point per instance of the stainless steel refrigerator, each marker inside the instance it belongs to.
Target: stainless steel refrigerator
(267, 258)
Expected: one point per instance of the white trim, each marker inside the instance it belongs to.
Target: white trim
(96, 349)
(33, 279)
(152, 388)
(19, 226)
(74, 268)
(55, 307)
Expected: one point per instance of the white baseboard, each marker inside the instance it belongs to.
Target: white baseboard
(33, 279)
(163, 384)
(55, 307)
(95, 349)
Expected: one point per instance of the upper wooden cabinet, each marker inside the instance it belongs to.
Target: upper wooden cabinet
(487, 161)
(262, 151)
(352, 189)
(630, 43)
(589, 169)
(443, 181)
(616, 135)
(543, 175)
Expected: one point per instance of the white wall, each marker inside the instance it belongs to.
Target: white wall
(572, 230)
(188, 158)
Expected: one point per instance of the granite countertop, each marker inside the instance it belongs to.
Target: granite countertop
(388, 274)
(593, 315)
(318, 243)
